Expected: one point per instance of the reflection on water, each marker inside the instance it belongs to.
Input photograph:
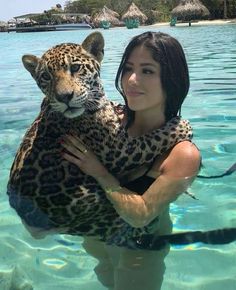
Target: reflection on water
(59, 262)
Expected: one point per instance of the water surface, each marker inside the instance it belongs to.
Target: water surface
(59, 262)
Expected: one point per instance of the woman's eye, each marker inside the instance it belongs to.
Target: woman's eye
(46, 76)
(74, 68)
(147, 71)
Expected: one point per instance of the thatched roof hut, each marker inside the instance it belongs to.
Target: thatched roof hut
(134, 13)
(112, 12)
(188, 10)
(105, 15)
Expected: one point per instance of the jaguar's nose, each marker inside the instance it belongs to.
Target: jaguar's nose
(65, 98)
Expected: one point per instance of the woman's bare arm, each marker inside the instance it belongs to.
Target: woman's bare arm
(177, 173)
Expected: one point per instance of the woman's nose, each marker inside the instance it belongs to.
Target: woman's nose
(133, 78)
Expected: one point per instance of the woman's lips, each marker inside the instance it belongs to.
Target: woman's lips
(133, 93)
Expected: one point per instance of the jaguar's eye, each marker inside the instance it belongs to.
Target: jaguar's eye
(75, 67)
(46, 76)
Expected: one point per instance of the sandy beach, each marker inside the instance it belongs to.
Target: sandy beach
(196, 23)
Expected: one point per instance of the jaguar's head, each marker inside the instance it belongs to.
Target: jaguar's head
(69, 75)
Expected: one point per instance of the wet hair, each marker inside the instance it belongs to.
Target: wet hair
(168, 52)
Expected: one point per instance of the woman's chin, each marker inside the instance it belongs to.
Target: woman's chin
(135, 105)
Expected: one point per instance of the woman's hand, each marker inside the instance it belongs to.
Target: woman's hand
(77, 153)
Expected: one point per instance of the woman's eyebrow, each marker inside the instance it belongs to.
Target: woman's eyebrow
(142, 64)
(147, 64)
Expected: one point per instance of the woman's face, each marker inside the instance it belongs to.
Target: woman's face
(141, 81)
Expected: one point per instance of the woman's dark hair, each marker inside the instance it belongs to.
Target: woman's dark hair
(168, 52)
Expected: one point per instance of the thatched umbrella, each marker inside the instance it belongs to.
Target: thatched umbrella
(134, 13)
(105, 16)
(112, 12)
(188, 10)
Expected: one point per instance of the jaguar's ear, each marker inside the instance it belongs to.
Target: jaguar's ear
(30, 63)
(94, 44)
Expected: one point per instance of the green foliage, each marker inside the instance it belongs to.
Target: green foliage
(48, 18)
(84, 6)
(232, 9)
(164, 11)
(119, 6)
(217, 9)
(156, 10)
(146, 5)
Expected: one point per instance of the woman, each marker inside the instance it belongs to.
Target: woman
(154, 81)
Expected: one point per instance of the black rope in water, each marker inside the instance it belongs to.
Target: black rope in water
(213, 237)
(231, 170)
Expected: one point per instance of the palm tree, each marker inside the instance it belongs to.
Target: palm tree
(225, 9)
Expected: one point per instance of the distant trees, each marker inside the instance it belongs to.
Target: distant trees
(120, 6)
(51, 16)
(156, 10)
(84, 6)
(221, 8)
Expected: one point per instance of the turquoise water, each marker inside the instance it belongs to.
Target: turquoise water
(59, 262)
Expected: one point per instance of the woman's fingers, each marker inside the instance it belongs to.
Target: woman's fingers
(74, 146)
(77, 153)
(72, 149)
(72, 159)
(76, 142)
(77, 139)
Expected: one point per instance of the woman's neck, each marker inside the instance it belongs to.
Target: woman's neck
(146, 122)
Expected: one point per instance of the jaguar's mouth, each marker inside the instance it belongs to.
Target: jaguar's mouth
(73, 112)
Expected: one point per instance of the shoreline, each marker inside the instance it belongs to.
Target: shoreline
(197, 23)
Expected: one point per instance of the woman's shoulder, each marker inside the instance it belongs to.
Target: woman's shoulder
(183, 160)
(185, 149)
